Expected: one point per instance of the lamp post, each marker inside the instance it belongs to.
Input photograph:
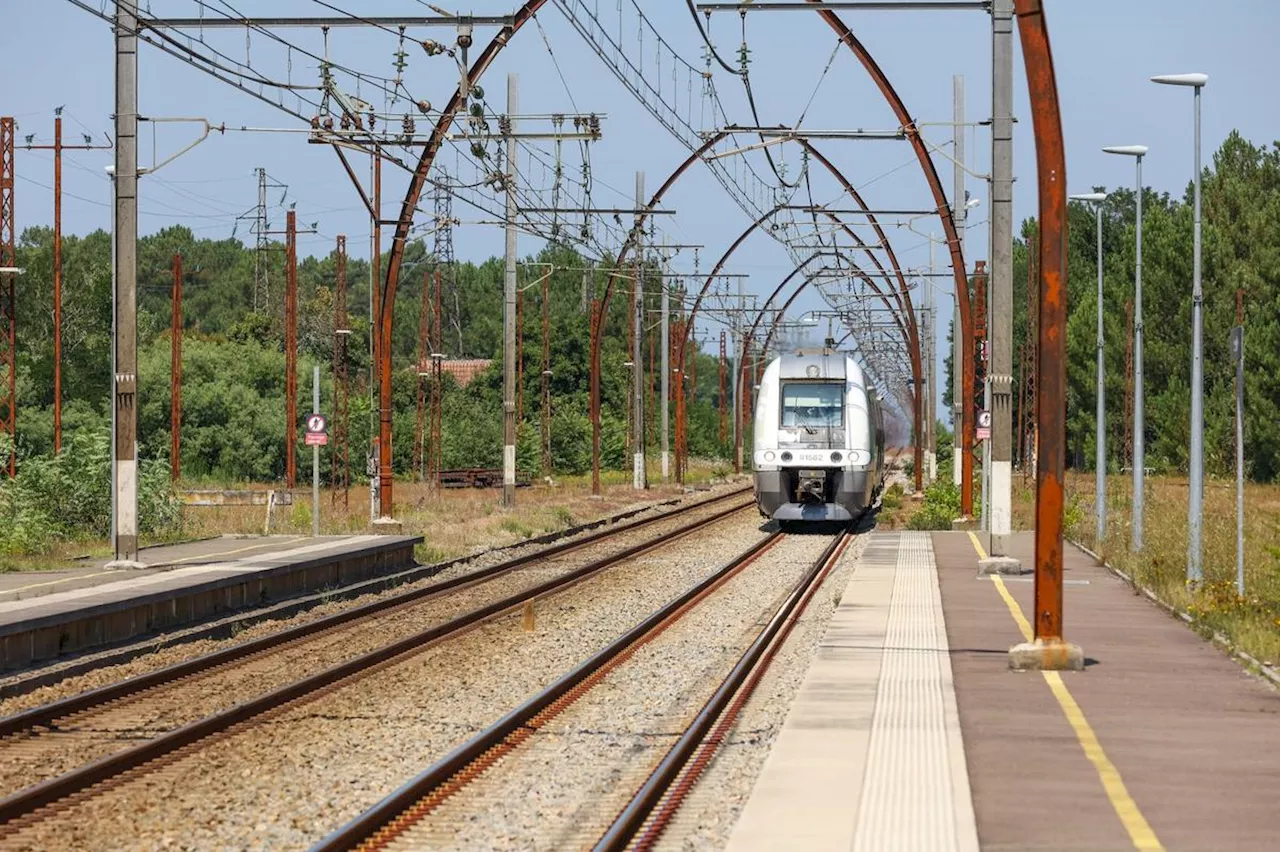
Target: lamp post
(1195, 497)
(1100, 462)
(1139, 453)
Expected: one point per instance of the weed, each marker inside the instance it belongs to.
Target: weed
(563, 516)
(511, 525)
(941, 506)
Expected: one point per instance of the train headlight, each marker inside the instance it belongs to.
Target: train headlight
(786, 456)
(768, 455)
(836, 457)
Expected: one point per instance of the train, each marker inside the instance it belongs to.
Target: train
(819, 436)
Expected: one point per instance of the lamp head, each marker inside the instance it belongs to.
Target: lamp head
(972, 203)
(1129, 150)
(1196, 80)
(1096, 197)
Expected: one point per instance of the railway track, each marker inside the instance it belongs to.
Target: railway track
(113, 731)
(404, 819)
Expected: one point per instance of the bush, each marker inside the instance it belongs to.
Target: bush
(67, 497)
(941, 506)
(892, 496)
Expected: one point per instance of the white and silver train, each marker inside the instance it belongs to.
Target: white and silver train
(818, 451)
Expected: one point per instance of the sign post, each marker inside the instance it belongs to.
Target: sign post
(317, 437)
(984, 425)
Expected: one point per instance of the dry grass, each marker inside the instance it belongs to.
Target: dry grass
(1251, 622)
(453, 521)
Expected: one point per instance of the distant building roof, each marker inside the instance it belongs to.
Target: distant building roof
(464, 370)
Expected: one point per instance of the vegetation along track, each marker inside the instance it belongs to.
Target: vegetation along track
(174, 707)
(403, 819)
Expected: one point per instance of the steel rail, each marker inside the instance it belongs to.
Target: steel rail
(47, 714)
(25, 803)
(724, 705)
(415, 799)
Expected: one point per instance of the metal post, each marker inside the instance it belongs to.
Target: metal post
(125, 369)
(1139, 427)
(291, 350)
(1195, 499)
(509, 306)
(735, 339)
(1000, 317)
(8, 296)
(665, 344)
(315, 456)
(958, 213)
(339, 454)
(546, 376)
(1100, 460)
(175, 373)
(57, 286)
(1237, 339)
(638, 479)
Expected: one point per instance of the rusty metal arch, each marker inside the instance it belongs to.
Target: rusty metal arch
(395, 255)
(908, 124)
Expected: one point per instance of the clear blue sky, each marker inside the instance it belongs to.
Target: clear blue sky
(52, 53)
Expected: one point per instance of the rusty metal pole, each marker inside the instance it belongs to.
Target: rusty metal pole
(420, 415)
(8, 294)
(966, 431)
(509, 304)
(291, 350)
(594, 402)
(547, 465)
(435, 450)
(57, 285)
(340, 458)
(383, 359)
(724, 390)
(175, 374)
(1049, 651)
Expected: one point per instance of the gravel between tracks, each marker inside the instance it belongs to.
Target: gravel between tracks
(180, 650)
(713, 807)
(108, 729)
(310, 767)
(563, 787)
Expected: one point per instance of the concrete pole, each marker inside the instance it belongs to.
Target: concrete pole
(509, 306)
(638, 478)
(958, 213)
(1000, 289)
(125, 368)
(1195, 499)
(665, 344)
(315, 455)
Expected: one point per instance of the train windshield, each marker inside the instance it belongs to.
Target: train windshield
(812, 404)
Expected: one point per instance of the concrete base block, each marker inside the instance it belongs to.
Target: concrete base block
(124, 565)
(1005, 565)
(1046, 656)
(964, 524)
(387, 526)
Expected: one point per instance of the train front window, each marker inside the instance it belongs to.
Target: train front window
(812, 404)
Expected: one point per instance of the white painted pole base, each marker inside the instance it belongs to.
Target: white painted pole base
(637, 472)
(666, 464)
(1001, 506)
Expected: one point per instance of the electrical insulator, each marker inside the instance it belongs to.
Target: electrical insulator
(424, 107)
(373, 121)
(477, 93)
(477, 151)
(409, 126)
(315, 122)
(504, 125)
(328, 122)
(346, 121)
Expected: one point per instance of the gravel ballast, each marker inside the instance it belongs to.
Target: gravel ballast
(307, 768)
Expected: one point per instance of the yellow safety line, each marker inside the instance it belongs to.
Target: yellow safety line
(171, 562)
(1140, 831)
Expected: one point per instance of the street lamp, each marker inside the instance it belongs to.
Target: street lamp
(1195, 497)
(1139, 453)
(1100, 463)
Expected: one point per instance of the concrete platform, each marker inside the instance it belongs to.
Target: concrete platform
(1181, 741)
(48, 614)
(870, 756)
(911, 732)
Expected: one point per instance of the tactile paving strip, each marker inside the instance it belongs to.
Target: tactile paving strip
(915, 792)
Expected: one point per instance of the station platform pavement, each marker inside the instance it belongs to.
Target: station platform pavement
(911, 733)
(48, 614)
